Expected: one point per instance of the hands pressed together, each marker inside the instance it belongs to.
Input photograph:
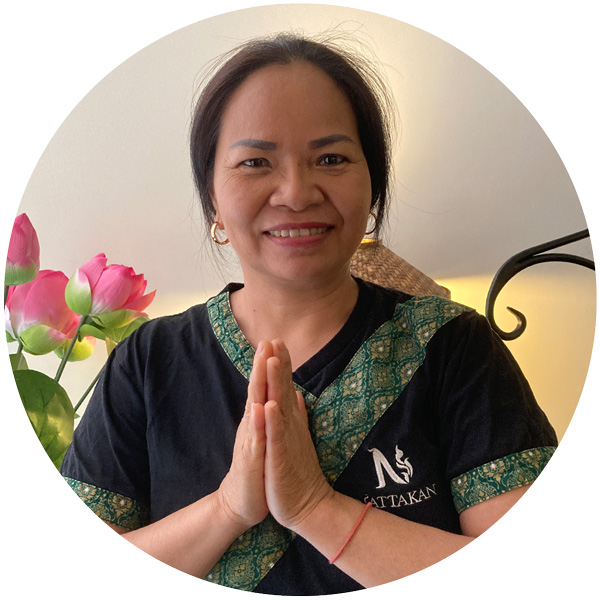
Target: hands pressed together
(275, 467)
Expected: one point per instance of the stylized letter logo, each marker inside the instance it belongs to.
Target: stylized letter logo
(381, 463)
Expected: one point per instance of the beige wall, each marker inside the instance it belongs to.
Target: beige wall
(559, 303)
(476, 178)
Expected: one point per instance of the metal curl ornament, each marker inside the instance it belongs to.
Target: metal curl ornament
(522, 260)
(213, 235)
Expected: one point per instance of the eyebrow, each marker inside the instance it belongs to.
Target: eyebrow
(313, 145)
(329, 139)
(254, 143)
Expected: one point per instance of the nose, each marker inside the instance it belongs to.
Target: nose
(297, 188)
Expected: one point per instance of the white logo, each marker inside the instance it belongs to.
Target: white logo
(381, 464)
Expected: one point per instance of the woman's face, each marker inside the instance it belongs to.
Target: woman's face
(291, 184)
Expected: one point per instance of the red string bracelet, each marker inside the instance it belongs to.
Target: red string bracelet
(360, 520)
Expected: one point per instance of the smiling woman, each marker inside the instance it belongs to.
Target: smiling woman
(295, 401)
(291, 183)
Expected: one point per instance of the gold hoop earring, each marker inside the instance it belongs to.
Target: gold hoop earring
(213, 235)
(371, 213)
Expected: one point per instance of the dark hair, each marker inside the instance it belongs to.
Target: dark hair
(354, 76)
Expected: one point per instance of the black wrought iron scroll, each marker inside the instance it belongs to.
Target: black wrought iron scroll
(522, 260)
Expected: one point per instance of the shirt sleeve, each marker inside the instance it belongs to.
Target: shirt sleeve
(494, 435)
(107, 463)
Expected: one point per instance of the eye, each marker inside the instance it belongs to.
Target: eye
(255, 163)
(331, 160)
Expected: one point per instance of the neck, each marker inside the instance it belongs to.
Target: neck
(304, 316)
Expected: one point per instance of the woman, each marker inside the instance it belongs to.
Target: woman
(244, 440)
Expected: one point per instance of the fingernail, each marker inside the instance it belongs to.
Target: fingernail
(259, 348)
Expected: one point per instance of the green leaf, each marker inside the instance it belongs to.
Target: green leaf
(110, 345)
(18, 362)
(41, 339)
(49, 410)
(120, 333)
(92, 330)
(114, 319)
(9, 338)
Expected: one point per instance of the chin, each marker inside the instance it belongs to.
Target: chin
(311, 275)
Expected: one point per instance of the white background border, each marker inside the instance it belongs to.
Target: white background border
(53, 53)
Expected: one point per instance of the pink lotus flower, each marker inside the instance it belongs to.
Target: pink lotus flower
(113, 294)
(23, 259)
(37, 315)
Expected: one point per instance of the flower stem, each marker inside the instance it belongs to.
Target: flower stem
(65, 358)
(19, 351)
(90, 388)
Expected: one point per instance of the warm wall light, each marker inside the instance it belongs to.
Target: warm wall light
(554, 351)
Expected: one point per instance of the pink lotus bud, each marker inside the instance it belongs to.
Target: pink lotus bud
(99, 289)
(36, 313)
(23, 259)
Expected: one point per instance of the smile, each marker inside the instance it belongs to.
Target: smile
(297, 232)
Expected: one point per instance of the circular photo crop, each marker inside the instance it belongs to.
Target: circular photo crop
(256, 301)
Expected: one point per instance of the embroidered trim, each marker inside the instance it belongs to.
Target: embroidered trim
(375, 377)
(110, 507)
(252, 555)
(499, 476)
(233, 341)
(339, 419)
(230, 336)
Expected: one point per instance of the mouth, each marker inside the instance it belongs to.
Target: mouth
(294, 233)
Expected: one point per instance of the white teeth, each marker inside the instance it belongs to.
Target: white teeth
(297, 232)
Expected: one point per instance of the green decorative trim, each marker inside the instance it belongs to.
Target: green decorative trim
(233, 341)
(110, 507)
(499, 476)
(375, 377)
(340, 419)
(252, 556)
(230, 336)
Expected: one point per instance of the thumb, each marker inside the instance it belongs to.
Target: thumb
(302, 406)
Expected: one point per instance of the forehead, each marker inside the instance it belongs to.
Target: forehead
(285, 95)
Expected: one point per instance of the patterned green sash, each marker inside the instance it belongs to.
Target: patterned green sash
(339, 419)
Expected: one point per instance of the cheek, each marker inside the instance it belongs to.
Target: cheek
(238, 210)
(227, 198)
(359, 191)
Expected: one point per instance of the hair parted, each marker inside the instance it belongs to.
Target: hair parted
(353, 74)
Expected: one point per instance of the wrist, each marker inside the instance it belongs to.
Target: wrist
(316, 513)
(229, 520)
(328, 526)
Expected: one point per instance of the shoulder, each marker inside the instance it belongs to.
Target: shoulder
(402, 302)
(171, 326)
(422, 317)
(182, 332)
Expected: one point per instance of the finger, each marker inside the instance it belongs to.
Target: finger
(257, 386)
(282, 353)
(274, 383)
(253, 437)
(280, 386)
(274, 427)
(265, 348)
(257, 428)
(302, 406)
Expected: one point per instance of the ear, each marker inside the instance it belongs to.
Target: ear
(215, 206)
